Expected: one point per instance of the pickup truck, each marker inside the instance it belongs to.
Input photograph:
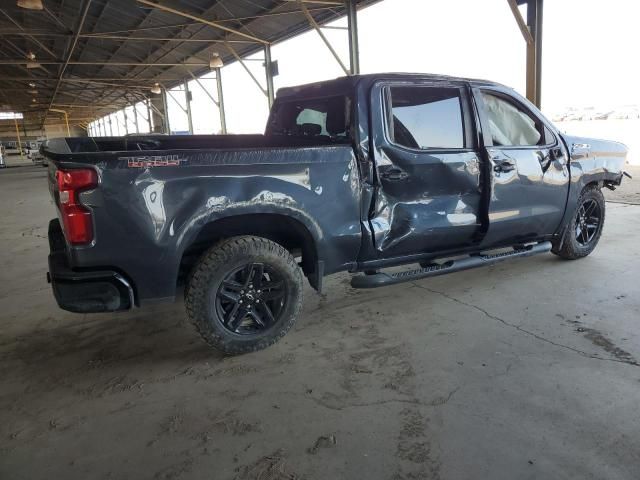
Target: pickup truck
(360, 174)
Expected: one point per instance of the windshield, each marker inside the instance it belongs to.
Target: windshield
(319, 118)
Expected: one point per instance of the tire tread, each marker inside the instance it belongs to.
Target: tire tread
(198, 286)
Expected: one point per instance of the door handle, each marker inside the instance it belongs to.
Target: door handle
(557, 154)
(394, 174)
(503, 165)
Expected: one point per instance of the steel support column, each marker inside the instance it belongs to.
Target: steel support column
(538, 41)
(18, 136)
(167, 126)
(126, 121)
(135, 118)
(534, 51)
(223, 117)
(147, 102)
(110, 125)
(531, 52)
(268, 67)
(187, 97)
(354, 48)
(532, 33)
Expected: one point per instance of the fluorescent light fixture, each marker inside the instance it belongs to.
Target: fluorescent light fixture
(216, 61)
(10, 116)
(30, 4)
(30, 60)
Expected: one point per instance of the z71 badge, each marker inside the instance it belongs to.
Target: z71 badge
(154, 161)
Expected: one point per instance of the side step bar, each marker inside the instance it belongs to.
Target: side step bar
(381, 279)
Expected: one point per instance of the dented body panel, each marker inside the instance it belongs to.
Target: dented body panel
(146, 218)
(362, 203)
(592, 161)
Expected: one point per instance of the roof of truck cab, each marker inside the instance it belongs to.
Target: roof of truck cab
(341, 85)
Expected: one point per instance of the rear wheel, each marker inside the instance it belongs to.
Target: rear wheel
(584, 230)
(245, 294)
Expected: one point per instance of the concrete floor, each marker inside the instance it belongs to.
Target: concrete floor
(523, 370)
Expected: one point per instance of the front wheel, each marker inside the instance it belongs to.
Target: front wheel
(244, 294)
(584, 230)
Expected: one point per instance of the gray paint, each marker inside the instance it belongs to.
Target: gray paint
(147, 212)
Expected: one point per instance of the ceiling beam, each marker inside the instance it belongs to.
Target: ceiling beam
(30, 37)
(42, 33)
(164, 39)
(88, 79)
(522, 25)
(72, 47)
(201, 20)
(113, 64)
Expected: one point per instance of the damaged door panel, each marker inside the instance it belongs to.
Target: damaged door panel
(428, 174)
(528, 170)
(355, 174)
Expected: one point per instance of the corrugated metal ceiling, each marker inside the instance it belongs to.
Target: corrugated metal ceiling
(124, 46)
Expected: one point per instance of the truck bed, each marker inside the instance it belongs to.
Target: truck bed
(158, 196)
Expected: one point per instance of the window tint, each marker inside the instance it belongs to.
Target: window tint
(510, 125)
(426, 117)
(320, 118)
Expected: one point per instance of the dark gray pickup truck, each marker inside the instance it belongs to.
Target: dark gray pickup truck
(356, 174)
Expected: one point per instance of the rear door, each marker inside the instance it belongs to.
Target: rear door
(427, 172)
(528, 167)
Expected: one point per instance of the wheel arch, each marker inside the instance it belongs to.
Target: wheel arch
(283, 229)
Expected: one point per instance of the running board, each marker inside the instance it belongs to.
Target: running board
(381, 279)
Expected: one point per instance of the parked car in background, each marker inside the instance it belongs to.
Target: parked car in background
(356, 174)
(37, 158)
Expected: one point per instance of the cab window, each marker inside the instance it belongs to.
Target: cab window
(425, 117)
(510, 125)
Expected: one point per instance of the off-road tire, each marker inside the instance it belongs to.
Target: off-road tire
(568, 247)
(209, 273)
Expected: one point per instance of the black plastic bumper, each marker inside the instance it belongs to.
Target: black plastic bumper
(84, 291)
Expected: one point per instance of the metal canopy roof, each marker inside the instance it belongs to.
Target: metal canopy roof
(97, 56)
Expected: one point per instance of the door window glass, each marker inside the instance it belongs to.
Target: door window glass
(509, 125)
(426, 117)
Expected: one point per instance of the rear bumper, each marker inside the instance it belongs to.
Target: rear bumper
(86, 291)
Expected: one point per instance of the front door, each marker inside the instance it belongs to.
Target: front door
(428, 193)
(528, 170)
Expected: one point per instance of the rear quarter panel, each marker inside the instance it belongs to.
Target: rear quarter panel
(146, 215)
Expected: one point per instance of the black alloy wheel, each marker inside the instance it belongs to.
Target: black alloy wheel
(244, 294)
(250, 299)
(588, 222)
(582, 233)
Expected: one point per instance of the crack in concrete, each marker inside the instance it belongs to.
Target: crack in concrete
(525, 331)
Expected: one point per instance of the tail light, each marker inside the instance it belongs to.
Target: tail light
(76, 218)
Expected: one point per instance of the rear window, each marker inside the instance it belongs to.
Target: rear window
(424, 117)
(321, 118)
